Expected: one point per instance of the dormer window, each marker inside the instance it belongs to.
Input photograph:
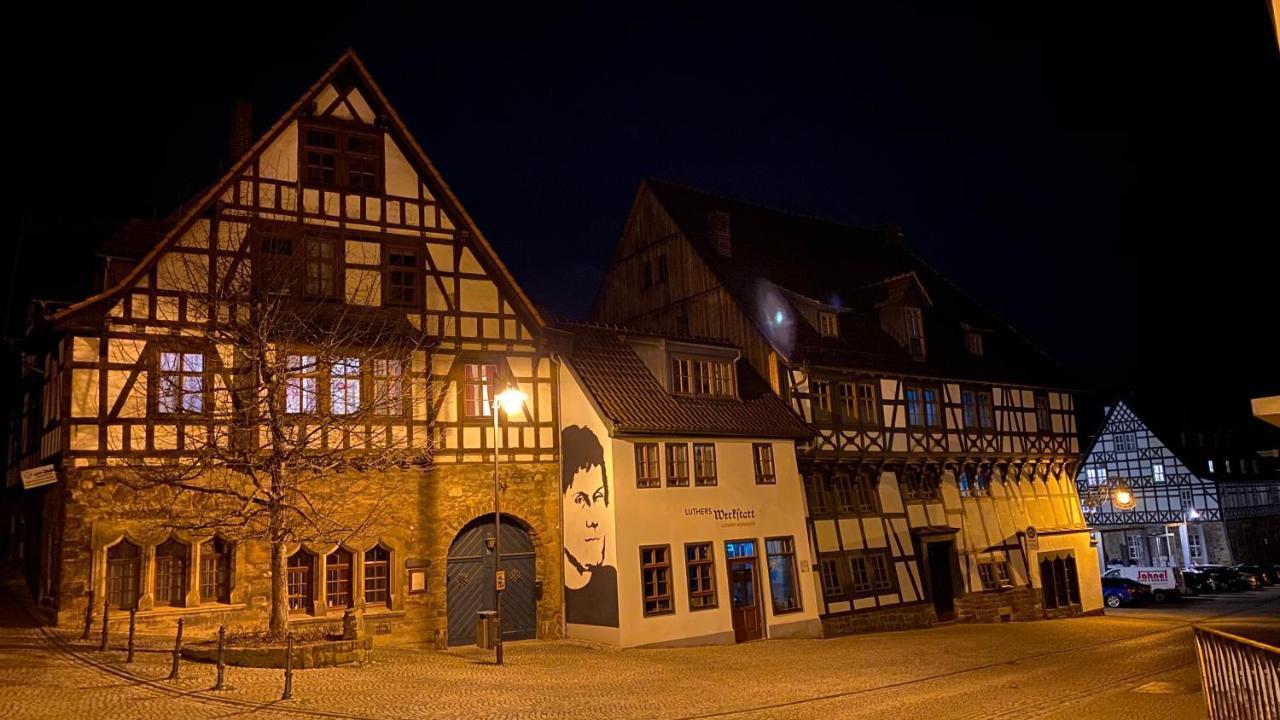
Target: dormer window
(702, 376)
(915, 331)
(340, 157)
(827, 324)
(973, 342)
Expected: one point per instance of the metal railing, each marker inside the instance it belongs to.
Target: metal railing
(1240, 677)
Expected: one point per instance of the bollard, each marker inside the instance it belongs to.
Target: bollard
(222, 637)
(88, 617)
(288, 668)
(106, 607)
(133, 624)
(177, 651)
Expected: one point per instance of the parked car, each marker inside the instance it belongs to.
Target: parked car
(1255, 573)
(1166, 583)
(1221, 578)
(1194, 582)
(1117, 591)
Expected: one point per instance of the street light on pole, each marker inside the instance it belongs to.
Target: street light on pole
(511, 401)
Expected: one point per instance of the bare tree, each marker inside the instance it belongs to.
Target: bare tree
(298, 400)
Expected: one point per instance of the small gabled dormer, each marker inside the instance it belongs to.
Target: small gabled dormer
(689, 369)
(975, 339)
(901, 301)
(822, 317)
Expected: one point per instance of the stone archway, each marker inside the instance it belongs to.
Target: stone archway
(470, 580)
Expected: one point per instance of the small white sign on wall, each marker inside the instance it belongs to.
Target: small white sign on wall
(39, 477)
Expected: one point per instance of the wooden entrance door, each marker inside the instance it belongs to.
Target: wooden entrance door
(941, 584)
(744, 590)
(470, 581)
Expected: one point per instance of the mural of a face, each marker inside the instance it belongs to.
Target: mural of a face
(591, 585)
(585, 487)
(586, 510)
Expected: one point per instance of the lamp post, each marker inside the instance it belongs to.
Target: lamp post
(510, 401)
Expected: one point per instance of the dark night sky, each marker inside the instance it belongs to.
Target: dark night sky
(1106, 180)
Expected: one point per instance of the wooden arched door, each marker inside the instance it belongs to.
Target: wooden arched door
(470, 579)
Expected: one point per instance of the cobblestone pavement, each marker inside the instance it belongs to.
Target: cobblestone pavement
(1102, 667)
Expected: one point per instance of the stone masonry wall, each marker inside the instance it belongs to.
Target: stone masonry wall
(1012, 605)
(895, 617)
(426, 512)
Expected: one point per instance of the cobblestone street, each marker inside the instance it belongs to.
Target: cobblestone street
(1101, 667)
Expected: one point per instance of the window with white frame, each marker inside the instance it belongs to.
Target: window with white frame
(1157, 472)
(302, 384)
(1126, 442)
(1095, 475)
(1135, 547)
(344, 386)
(1195, 547)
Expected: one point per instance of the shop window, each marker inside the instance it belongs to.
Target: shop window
(784, 585)
(655, 579)
(700, 570)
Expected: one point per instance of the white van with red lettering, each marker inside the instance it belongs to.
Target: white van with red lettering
(1166, 582)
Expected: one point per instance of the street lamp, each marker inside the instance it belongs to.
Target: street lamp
(1123, 499)
(511, 401)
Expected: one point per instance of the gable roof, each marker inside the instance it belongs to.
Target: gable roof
(182, 218)
(633, 402)
(851, 267)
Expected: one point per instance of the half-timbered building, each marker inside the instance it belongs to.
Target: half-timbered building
(335, 206)
(1166, 493)
(946, 446)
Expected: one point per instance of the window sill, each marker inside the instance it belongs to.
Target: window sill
(164, 611)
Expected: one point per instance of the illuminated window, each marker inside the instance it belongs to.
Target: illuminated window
(677, 465)
(477, 390)
(302, 384)
(1095, 475)
(655, 579)
(1157, 472)
(704, 464)
(344, 386)
(923, 407)
(700, 570)
(763, 454)
(1210, 466)
(648, 469)
(181, 383)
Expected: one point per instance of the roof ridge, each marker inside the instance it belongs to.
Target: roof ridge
(763, 206)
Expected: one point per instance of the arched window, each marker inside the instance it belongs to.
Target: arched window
(123, 561)
(171, 573)
(301, 580)
(215, 571)
(377, 576)
(337, 572)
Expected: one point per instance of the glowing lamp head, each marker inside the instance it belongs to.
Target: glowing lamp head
(511, 400)
(1123, 498)
(778, 317)
(1192, 514)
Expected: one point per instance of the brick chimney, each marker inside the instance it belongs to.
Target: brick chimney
(718, 233)
(241, 135)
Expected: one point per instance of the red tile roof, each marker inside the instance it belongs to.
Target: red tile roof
(635, 403)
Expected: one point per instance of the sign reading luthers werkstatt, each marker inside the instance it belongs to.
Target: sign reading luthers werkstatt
(39, 477)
